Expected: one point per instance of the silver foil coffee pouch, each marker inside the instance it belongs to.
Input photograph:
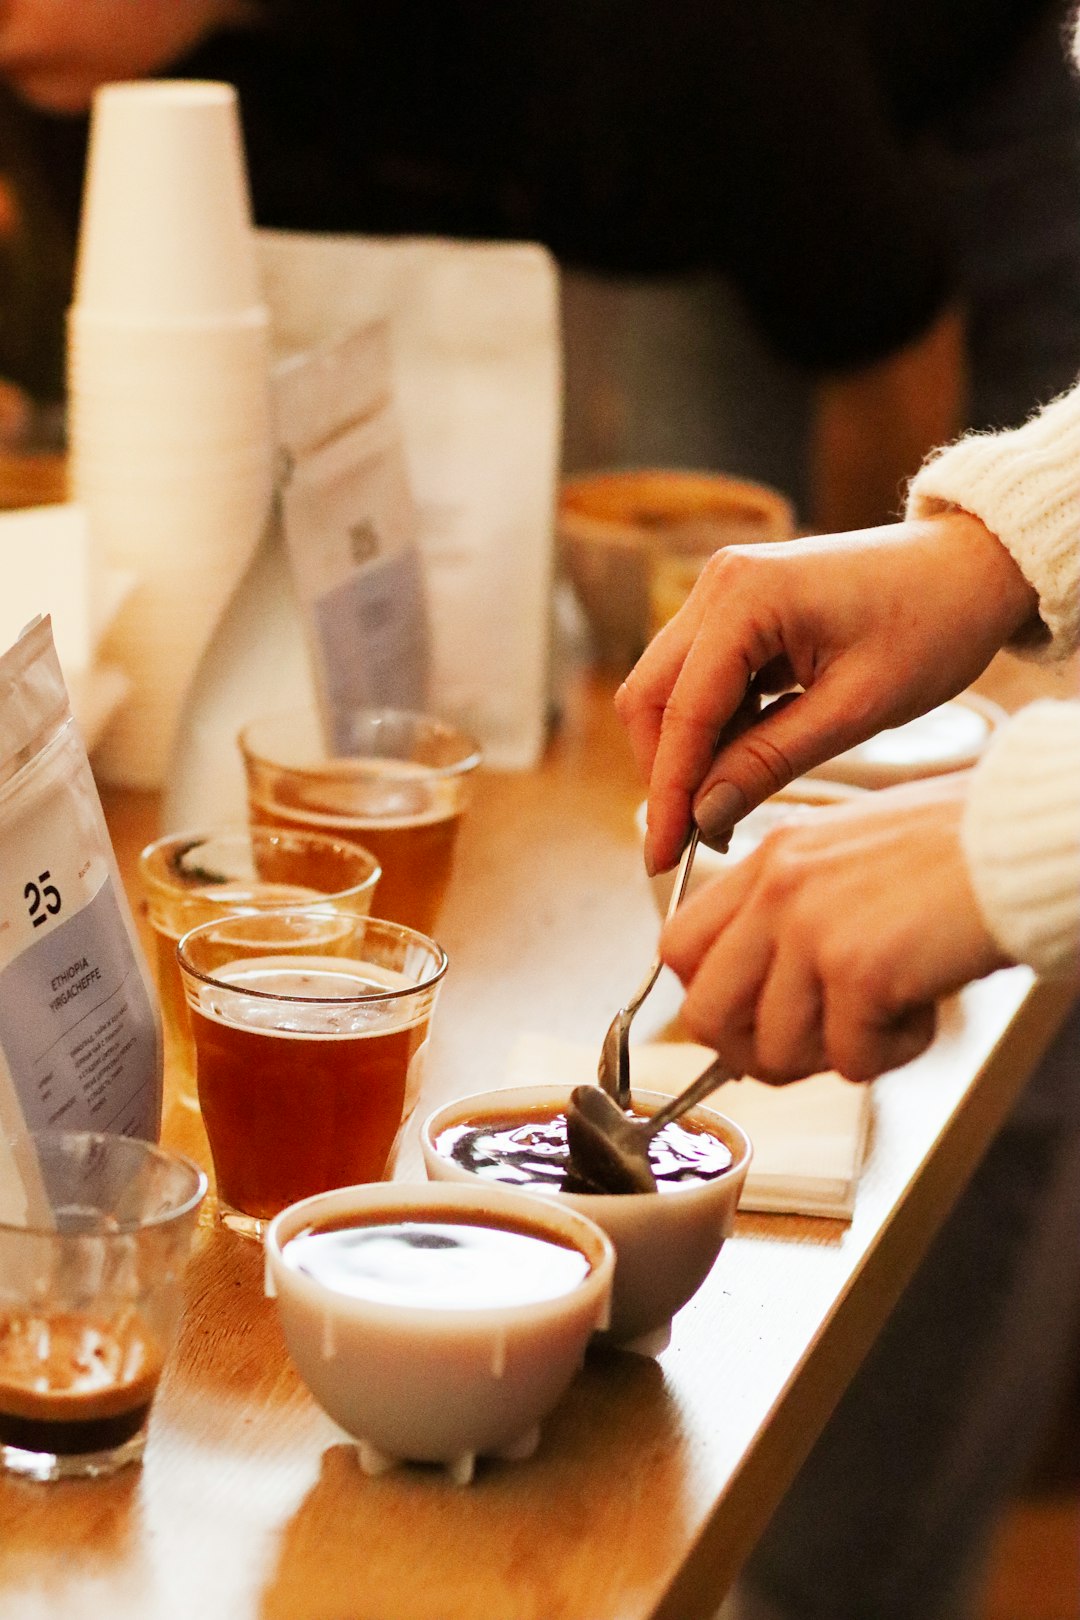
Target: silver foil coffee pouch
(80, 1036)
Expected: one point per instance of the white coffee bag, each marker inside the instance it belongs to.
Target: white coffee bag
(350, 526)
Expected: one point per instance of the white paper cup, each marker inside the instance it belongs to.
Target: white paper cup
(177, 427)
(134, 392)
(199, 527)
(166, 223)
(167, 391)
(114, 353)
(145, 460)
(162, 633)
(169, 412)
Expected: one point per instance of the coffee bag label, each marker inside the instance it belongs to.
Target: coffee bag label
(379, 609)
(350, 526)
(77, 1026)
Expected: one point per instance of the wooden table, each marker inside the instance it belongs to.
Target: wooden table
(652, 1480)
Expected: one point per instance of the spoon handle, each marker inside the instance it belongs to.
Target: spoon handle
(706, 1082)
(682, 878)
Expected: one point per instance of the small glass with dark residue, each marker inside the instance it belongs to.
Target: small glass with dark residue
(95, 1232)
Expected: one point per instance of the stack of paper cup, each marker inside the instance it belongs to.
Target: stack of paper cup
(168, 389)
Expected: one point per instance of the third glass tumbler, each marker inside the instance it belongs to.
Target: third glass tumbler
(92, 1256)
(401, 791)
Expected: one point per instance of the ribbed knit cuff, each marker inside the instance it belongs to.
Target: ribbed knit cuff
(1021, 836)
(1025, 487)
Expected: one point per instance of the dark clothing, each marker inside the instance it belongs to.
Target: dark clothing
(785, 144)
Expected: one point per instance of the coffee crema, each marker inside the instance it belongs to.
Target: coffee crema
(438, 1260)
(531, 1150)
(71, 1384)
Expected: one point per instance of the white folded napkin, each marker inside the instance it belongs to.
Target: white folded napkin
(809, 1138)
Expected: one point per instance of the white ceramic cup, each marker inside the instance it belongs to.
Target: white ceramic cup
(438, 1385)
(166, 221)
(665, 1243)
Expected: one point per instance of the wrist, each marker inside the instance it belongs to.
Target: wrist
(1002, 597)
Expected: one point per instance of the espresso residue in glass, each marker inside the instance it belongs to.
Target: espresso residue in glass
(70, 1383)
(533, 1151)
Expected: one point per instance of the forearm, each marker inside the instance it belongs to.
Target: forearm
(873, 427)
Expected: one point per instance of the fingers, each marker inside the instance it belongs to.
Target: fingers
(688, 686)
(703, 917)
(705, 698)
(793, 734)
(642, 698)
(720, 1007)
(772, 996)
(722, 960)
(788, 1033)
(718, 786)
(770, 1016)
(861, 1042)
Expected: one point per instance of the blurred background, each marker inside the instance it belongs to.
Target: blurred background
(800, 242)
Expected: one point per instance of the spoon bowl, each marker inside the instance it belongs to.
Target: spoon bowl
(609, 1150)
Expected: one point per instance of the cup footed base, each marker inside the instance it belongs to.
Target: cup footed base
(461, 1468)
(651, 1344)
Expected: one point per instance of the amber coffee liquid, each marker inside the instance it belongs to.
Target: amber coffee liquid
(179, 1048)
(315, 1104)
(408, 821)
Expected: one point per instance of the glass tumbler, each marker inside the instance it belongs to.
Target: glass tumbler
(310, 1029)
(94, 1237)
(191, 878)
(399, 786)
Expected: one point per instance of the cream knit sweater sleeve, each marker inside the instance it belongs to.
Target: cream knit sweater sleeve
(1021, 829)
(1021, 836)
(1025, 486)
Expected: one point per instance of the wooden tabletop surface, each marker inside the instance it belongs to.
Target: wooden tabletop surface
(653, 1478)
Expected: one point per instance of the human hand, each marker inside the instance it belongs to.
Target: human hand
(828, 947)
(876, 626)
(56, 52)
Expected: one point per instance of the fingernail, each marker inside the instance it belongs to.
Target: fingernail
(718, 811)
(650, 864)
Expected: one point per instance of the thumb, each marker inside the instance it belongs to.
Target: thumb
(790, 736)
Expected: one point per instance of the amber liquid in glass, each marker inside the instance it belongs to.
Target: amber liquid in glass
(218, 898)
(405, 817)
(299, 1110)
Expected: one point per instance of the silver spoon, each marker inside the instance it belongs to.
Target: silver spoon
(613, 1071)
(609, 1152)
